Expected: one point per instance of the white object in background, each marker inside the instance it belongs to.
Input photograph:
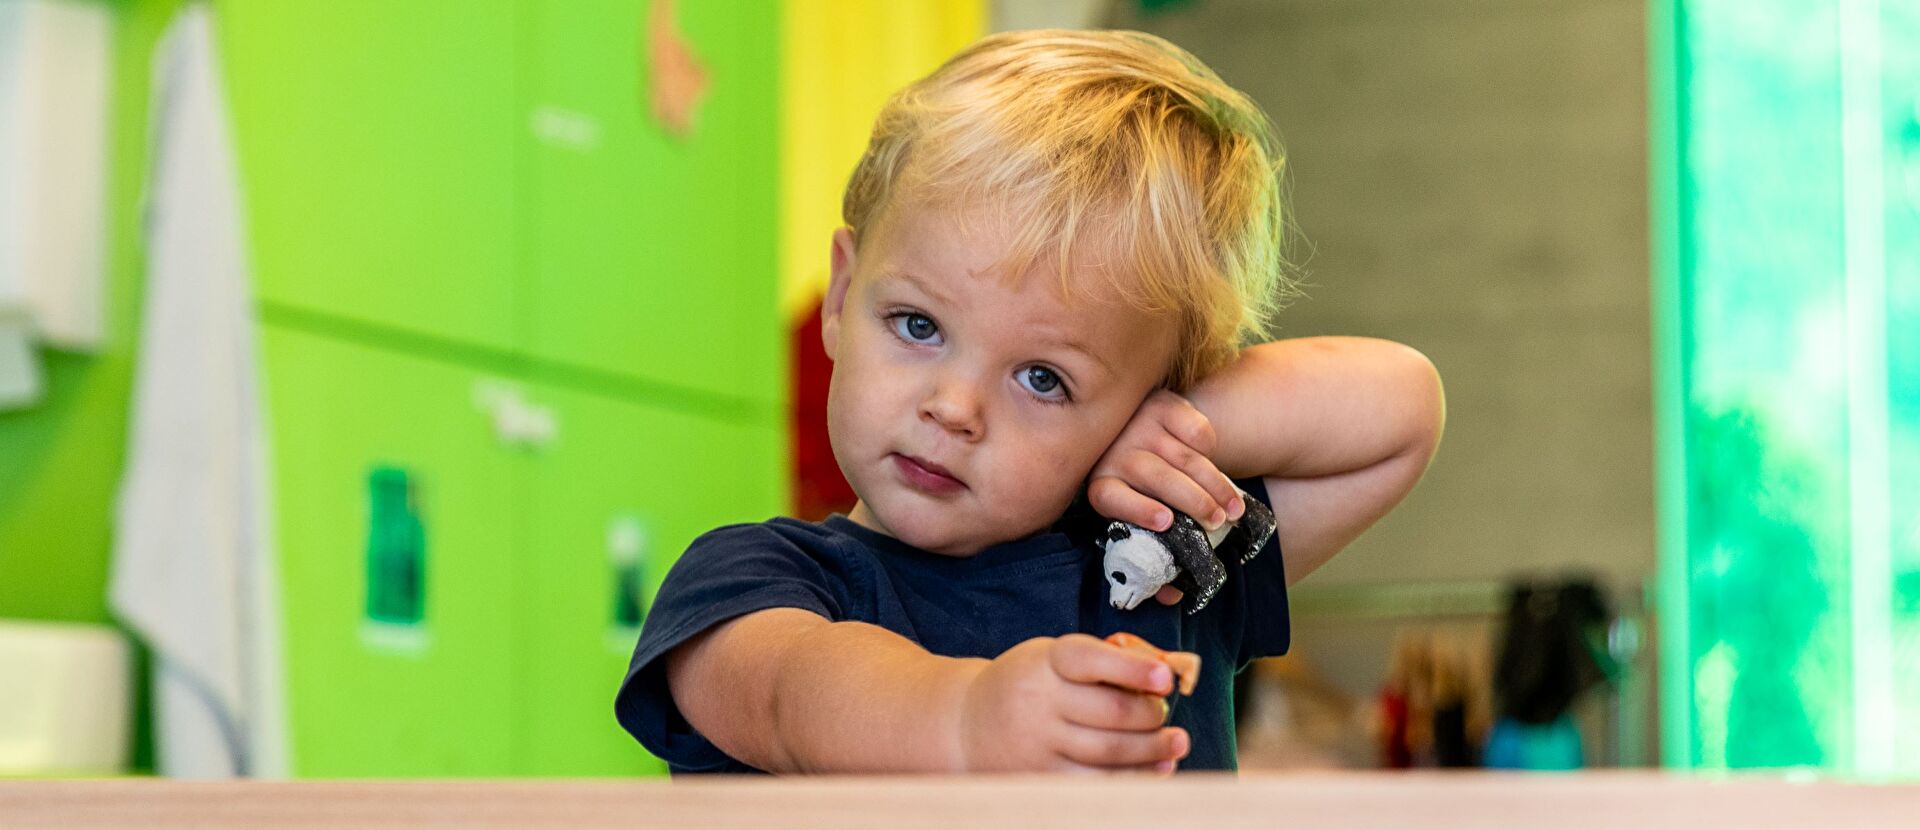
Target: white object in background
(64, 706)
(20, 384)
(56, 58)
(193, 566)
(516, 421)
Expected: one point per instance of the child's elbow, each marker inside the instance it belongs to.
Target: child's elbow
(1426, 401)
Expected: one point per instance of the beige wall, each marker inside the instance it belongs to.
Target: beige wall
(1472, 177)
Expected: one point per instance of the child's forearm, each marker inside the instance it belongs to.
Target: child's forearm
(859, 698)
(1321, 406)
(786, 691)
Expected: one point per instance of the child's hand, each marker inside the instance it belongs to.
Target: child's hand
(1070, 704)
(1159, 461)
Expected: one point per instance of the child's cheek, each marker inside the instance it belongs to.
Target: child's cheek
(1065, 463)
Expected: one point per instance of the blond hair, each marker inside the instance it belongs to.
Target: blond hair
(1116, 140)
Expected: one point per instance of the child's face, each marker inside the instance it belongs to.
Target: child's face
(966, 411)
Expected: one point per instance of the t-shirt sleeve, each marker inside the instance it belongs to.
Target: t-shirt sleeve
(1266, 628)
(728, 573)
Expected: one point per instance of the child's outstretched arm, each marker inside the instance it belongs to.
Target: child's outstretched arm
(785, 690)
(1340, 427)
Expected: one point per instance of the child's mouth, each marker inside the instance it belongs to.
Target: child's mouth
(926, 476)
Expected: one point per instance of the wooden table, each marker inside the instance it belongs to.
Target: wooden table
(1314, 800)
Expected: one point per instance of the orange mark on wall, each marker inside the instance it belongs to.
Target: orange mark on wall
(678, 81)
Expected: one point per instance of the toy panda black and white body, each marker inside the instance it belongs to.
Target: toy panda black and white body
(1139, 561)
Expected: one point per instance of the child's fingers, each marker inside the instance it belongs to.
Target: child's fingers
(1159, 770)
(1158, 478)
(1101, 706)
(1220, 490)
(1112, 498)
(1084, 659)
(1186, 423)
(1169, 595)
(1107, 748)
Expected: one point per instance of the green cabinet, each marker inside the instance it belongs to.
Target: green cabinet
(490, 173)
(540, 548)
(377, 146)
(651, 254)
(521, 346)
(367, 697)
(611, 500)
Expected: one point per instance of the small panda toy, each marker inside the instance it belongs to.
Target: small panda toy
(1138, 561)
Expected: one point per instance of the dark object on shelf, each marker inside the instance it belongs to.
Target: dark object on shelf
(1554, 650)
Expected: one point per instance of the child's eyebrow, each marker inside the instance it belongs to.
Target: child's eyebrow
(926, 286)
(1074, 345)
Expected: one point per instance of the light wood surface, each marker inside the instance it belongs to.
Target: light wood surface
(1319, 800)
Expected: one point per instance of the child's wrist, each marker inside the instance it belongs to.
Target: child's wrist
(951, 689)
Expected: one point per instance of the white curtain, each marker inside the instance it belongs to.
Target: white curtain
(192, 571)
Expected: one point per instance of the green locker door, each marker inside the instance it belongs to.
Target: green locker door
(376, 143)
(653, 254)
(394, 505)
(612, 501)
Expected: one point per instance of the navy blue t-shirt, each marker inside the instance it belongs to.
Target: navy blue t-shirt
(1045, 585)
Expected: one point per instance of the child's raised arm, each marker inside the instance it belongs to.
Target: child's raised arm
(785, 690)
(1340, 427)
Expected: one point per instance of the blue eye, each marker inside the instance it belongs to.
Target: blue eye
(918, 328)
(1043, 381)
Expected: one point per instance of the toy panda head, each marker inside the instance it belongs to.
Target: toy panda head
(1136, 564)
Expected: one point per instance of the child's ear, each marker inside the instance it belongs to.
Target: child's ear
(836, 299)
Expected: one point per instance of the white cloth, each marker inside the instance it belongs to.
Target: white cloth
(193, 571)
(55, 61)
(20, 382)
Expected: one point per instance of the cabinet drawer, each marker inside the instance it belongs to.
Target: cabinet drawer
(611, 501)
(394, 505)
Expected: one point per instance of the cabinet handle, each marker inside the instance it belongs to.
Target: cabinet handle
(516, 422)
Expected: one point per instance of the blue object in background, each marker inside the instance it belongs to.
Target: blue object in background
(1550, 746)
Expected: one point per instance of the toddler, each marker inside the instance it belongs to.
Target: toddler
(1054, 249)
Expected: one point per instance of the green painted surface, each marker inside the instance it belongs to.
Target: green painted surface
(373, 699)
(1792, 305)
(376, 144)
(650, 254)
(621, 483)
(61, 463)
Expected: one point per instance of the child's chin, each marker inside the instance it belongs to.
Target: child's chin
(929, 528)
(929, 536)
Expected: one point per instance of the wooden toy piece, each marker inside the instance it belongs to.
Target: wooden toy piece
(1185, 664)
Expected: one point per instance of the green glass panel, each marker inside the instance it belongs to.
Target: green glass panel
(1790, 289)
(1899, 55)
(652, 255)
(376, 145)
(616, 496)
(418, 684)
(1766, 408)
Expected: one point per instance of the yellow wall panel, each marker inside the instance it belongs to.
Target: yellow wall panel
(842, 58)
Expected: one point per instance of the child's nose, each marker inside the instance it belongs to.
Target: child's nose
(955, 406)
